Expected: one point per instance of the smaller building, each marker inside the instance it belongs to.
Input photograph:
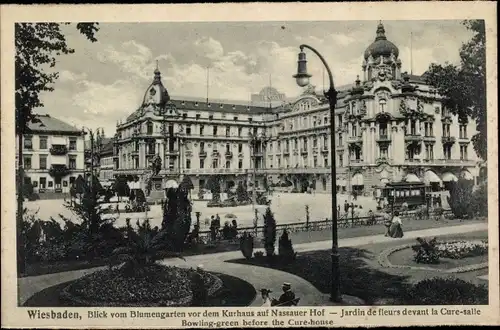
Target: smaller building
(53, 155)
(106, 164)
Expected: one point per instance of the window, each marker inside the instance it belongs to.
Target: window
(314, 121)
(51, 184)
(198, 116)
(447, 151)
(325, 120)
(325, 161)
(304, 144)
(250, 120)
(463, 131)
(354, 130)
(72, 162)
(255, 131)
(210, 117)
(240, 164)
(341, 159)
(215, 163)
(340, 140)
(446, 130)
(202, 163)
(43, 162)
(383, 152)
(413, 127)
(228, 131)
(149, 128)
(72, 144)
(235, 118)
(215, 130)
(201, 129)
(240, 130)
(228, 164)
(315, 161)
(188, 163)
(296, 143)
(43, 143)
(188, 129)
(287, 145)
(382, 105)
(240, 147)
(382, 130)
(429, 152)
(315, 142)
(184, 115)
(463, 152)
(428, 128)
(202, 146)
(339, 121)
(325, 142)
(28, 142)
(27, 162)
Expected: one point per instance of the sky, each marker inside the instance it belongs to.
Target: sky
(103, 82)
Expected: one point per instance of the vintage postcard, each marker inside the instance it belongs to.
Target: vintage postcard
(249, 165)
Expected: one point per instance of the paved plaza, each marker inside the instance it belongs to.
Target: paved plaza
(287, 208)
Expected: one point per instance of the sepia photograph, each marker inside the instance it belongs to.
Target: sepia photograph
(269, 164)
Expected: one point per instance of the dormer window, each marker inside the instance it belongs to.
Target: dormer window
(149, 127)
(184, 115)
(183, 103)
(209, 105)
(234, 107)
(198, 116)
(221, 105)
(250, 119)
(211, 117)
(235, 118)
(196, 104)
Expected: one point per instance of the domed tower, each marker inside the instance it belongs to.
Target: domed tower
(381, 58)
(156, 94)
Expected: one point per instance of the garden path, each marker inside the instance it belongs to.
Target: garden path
(259, 277)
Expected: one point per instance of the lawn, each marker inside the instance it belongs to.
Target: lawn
(361, 276)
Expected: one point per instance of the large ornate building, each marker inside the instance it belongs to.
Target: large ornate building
(390, 126)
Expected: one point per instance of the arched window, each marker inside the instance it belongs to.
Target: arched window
(149, 128)
(382, 105)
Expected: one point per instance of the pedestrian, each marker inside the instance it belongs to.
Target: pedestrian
(396, 230)
(346, 206)
(287, 298)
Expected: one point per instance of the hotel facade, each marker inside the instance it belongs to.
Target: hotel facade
(389, 127)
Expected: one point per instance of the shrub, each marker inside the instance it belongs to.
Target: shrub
(480, 200)
(447, 291)
(285, 248)
(241, 193)
(258, 254)
(177, 217)
(460, 199)
(269, 232)
(425, 252)
(246, 245)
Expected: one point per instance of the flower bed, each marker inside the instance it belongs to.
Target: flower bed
(155, 285)
(462, 249)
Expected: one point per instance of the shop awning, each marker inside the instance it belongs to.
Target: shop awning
(412, 178)
(466, 175)
(357, 179)
(431, 177)
(447, 177)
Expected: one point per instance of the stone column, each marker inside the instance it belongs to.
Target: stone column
(142, 154)
(373, 143)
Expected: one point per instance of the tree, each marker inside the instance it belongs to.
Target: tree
(269, 232)
(464, 86)
(241, 193)
(460, 199)
(121, 187)
(213, 184)
(37, 46)
(176, 217)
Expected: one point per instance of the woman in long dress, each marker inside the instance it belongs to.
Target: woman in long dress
(396, 230)
(266, 298)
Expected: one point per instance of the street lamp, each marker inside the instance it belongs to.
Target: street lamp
(302, 78)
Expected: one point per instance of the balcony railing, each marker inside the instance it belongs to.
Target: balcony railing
(354, 139)
(295, 170)
(59, 170)
(303, 151)
(413, 137)
(286, 152)
(228, 154)
(429, 138)
(203, 153)
(58, 150)
(324, 150)
(448, 139)
(383, 138)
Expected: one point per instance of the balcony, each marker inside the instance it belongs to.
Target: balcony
(354, 139)
(303, 151)
(134, 152)
(413, 137)
(463, 139)
(203, 154)
(286, 152)
(172, 152)
(58, 150)
(383, 138)
(448, 139)
(259, 153)
(59, 170)
(429, 138)
(228, 154)
(324, 150)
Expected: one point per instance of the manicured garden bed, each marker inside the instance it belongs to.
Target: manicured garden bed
(227, 290)
(405, 257)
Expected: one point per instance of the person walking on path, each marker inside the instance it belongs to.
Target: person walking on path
(346, 207)
(396, 230)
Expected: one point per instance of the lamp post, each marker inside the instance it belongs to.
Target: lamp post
(302, 78)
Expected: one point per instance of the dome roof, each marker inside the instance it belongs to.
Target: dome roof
(266, 91)
(381, 46)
